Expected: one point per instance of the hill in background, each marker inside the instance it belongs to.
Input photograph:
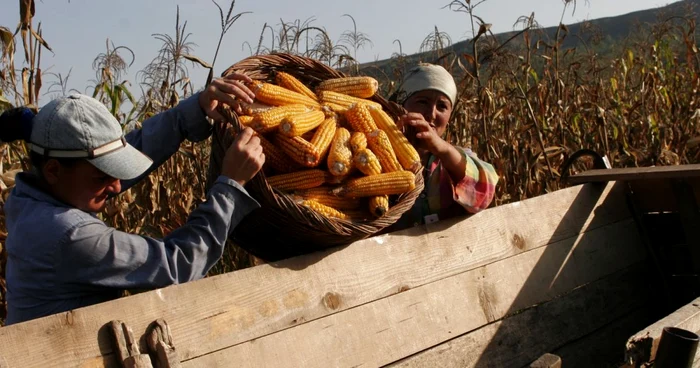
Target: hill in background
(603, 36)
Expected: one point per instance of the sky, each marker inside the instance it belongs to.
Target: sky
(77, 30)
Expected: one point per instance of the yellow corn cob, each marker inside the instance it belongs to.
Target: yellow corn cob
(245, 119)
(334, 107)
(366, 161)
(323, 195)
(299, 149)
(358, 141)
(297, 124)
(302, 179)
(339, 179)
(323, 136)
(340, 155)
(378, 205)
(276, 158)
(269, 120)
(308, 136)
(395, 182)
(291, 83)
(360, 119)
(323, 209)
(254, 108)
(275, 95)
(379, 143)
(362, 87)
(331, 99)
(405, 152)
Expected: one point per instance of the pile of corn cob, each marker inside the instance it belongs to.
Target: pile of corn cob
(331, 148)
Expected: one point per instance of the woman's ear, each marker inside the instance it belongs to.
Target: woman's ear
(51, 171)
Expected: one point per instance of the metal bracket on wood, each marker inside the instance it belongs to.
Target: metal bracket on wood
(127, 348)
(160, 344)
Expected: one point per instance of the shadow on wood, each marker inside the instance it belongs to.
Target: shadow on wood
(553, 268)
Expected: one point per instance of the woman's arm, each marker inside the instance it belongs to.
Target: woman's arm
(472, 181)
(477, 187)
(454, 161)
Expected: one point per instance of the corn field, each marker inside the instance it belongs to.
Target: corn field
(526, 103)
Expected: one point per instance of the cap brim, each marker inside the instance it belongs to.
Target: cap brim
(124, 164)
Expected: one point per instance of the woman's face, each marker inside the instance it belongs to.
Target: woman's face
(81, 185)
(435, 107)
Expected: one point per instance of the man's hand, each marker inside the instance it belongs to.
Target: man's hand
(244, 158)
(230, 90)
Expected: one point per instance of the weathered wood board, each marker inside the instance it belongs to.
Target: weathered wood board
(228, 310)
(641, 347)
(636, 173)
(606, 343)
(389, 329)
(520, 338)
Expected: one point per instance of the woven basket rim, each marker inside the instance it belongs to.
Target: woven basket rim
(262, 67)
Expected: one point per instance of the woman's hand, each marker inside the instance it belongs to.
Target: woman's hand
(230, 90)
(426, 136)
(244, 158)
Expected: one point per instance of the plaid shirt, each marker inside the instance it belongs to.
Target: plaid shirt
(442, 198)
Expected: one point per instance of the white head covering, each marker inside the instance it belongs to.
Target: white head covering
(428, 76)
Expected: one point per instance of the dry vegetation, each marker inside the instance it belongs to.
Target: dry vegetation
(526, 102)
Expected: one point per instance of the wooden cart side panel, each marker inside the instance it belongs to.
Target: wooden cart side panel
(641, 347)
(392, 328)
(222, 311)
(636, 173)
(519, 339)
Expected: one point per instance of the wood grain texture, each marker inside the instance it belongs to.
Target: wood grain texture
(392, 328)
(636, 173)
(641, 347)
(225, 310)
(519, 339)
(605, 347)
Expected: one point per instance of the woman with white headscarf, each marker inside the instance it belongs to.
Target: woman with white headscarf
(456, 181)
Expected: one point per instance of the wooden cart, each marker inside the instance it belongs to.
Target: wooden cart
(574, 273)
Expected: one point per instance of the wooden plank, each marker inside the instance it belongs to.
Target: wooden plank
(218, 312)
(653, 195)
(392, 328)
(516, 340)
(636, 173)
(605, 347)
(547, 361)
(657, 195)
(690, 220)
(641, 347)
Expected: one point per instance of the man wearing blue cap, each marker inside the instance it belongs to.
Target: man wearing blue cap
(61, 256)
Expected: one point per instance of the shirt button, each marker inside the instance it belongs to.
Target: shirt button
(422, 195)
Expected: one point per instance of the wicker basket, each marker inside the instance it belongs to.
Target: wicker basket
(281, 228)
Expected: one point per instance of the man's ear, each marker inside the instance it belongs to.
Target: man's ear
(51, 171)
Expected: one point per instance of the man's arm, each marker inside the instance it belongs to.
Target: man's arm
(94, 254)
(161, 135)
